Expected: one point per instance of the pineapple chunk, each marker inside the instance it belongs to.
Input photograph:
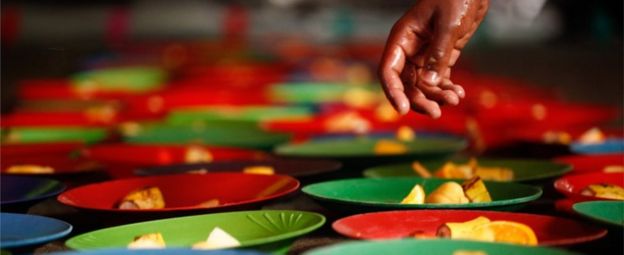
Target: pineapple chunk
(197, 154)
(267, 170)
(592, 136)
(420, 170)
(476, 191)
(416, 196)
(608, 191)
(466, 230)
(217, 239)
(405, 134)
(146, 198)
(148, 241)
(389, 147)
(29, 169)
(447, 193)
(209, 204)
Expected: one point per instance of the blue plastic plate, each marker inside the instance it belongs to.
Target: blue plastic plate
(609, 146)
(19, 230)
(27, 189)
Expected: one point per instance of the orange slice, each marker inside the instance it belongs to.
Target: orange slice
(510, 232)
(388, 147)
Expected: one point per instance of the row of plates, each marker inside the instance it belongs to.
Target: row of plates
(272, 231)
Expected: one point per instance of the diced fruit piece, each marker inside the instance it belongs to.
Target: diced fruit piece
(217, 239)
(510, 232)
(557, 137)
(416, 196)
(467, 230)
(389, 147)
(592, 136)
(495, 173)
(465, 252)
(146, 198)
(148, 241)
(447, 193)
(607, 191)
(209, 204)
(29, 169)
(405, 134)
(349, 122)
(476, 191)
(386, 113)
(421, 170)
(197, 154)
(452, 171)
(267, 170)
(613, 169)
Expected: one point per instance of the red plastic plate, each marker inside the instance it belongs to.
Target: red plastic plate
(592, 163)
(572, 185)
(121, 159)
(184, 192)
(403, 224)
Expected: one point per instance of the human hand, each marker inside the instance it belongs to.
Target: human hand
(422, 47)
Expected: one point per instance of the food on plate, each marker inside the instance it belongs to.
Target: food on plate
(557, 137)
(613, 169)
(197, 154)
(466, 252)
(142, 199)
(476, 191)
(483, 229)
(29, 169)
(348, 122)
(148, 241)
(386, 113)
(389, 147)
(448, 193)
(604, 190)
(209, 203)
(217, 239)
(416, 196)
(450, 170)
(471, 191)
(267, 170)
(359, 98)
(405, 134)
(592, 136)
(421, 170)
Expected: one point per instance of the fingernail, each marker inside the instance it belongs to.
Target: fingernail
(436, 113)
(403, 107)
(432, 78)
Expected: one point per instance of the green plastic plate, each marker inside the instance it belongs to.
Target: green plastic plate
(610, 212)
(524, 170)
(133, 79)
(387, 193)
(312, 92)
(49, 134)
(220, 133)
(437, 247)
(364, 147)
(250, 113)
(253, 229)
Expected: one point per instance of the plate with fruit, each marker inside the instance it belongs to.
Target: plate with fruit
(592, 186)
(267, 230)
(361, 147)
(487, 169)
(180, 193)
(438, 247)
(421, 193)
(484, 226)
